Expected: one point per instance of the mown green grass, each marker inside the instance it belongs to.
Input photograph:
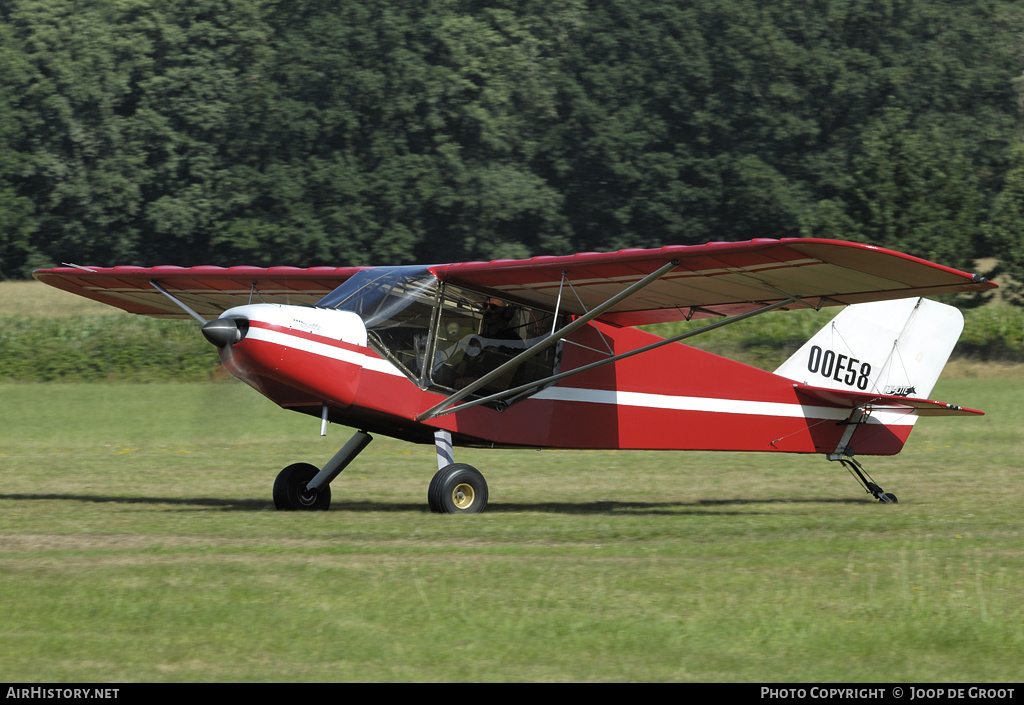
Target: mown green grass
(138, 543)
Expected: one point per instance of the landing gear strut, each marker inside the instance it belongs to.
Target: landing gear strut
(457, 488)
(302, 486)
(858, 471)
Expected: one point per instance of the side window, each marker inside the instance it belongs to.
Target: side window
(475, 334)
(403, 335)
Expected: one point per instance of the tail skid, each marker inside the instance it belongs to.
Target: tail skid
(872, 488)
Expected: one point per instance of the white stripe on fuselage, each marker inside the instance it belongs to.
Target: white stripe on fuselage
(366, 360)
(713, 405)
(372, 362)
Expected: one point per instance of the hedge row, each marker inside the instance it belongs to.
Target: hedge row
(135, 348)
(102, 347)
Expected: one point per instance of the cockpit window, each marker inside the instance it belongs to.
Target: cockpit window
(476, 333)
(443, 336)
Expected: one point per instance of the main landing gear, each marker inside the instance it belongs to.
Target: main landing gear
(457, 488)
(858, 471)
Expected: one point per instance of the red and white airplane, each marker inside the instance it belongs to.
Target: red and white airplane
(545, 352)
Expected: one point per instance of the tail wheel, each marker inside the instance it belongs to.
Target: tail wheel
(290, 489)
(457, 489)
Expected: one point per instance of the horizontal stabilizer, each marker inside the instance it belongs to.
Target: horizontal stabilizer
(865, 400)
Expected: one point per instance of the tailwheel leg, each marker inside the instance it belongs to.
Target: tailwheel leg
(302, 486)
(866, 481)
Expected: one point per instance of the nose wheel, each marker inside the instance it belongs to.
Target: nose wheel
(291, 491)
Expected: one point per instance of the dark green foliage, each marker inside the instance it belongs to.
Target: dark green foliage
(1006, 227)
(306, 133)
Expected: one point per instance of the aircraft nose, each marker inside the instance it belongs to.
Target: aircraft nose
(225, 331)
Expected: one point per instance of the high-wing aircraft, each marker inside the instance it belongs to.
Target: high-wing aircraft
(546, 353)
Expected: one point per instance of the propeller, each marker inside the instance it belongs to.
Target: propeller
(223, 332)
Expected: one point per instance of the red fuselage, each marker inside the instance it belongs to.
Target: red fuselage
(671, 398)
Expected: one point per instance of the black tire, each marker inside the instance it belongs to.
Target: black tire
(290, 489)
(888, 498)
(457, 489)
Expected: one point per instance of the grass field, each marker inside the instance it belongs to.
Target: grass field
(138, 543)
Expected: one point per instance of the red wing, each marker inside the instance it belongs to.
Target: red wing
(720, 278)
(208, 290)
(852, 400)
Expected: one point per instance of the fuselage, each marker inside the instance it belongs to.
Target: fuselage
(674, 397)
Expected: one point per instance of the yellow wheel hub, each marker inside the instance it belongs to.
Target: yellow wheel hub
(463, 496)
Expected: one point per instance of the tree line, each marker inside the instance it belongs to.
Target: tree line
(338, 132)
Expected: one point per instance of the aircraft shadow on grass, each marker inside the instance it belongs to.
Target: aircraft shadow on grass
(702, 507)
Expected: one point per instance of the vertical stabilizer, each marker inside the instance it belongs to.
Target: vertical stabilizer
(886, 347)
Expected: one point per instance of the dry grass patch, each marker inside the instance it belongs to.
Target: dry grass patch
(32, 298)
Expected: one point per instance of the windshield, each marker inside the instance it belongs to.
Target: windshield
(380, 293)
(396, 305)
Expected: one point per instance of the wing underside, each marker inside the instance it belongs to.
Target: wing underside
(717, 279)
(712, 280)
(207, 290)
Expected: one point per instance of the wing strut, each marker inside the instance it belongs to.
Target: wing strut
(179, 303)
(440, 409)
(549, 341)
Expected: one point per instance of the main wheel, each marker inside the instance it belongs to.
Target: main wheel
(888, 498)
(457, 489)
(290, 489)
